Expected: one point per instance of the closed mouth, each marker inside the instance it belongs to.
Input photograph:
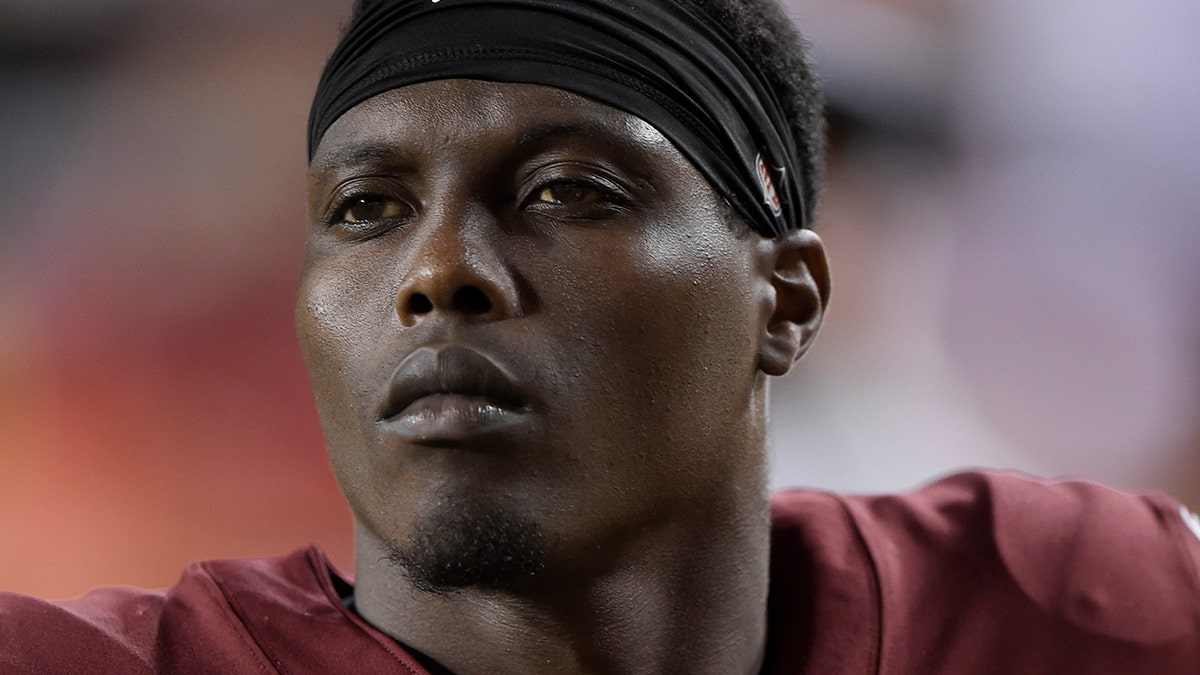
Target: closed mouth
(433, 376)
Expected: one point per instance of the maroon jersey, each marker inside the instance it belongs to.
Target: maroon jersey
(977, 573)
(985, 573)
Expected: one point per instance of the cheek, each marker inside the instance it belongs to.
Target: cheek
(339, 316)
(699, 308)
(663, 322)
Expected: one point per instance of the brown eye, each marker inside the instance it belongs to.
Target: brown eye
(568, 193)
(372, 209)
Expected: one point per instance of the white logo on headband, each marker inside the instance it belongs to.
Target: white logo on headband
(770, 196)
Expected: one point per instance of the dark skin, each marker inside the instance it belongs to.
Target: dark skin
(589, 269)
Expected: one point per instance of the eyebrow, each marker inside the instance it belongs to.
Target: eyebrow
(358, 155)
(379, 153)
(543, 132)
(590, 130)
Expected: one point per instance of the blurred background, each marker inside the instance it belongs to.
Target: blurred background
(1011, 211)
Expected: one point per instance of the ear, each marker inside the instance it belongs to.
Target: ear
(796, 299)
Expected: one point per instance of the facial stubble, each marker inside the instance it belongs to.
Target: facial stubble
(468, 543)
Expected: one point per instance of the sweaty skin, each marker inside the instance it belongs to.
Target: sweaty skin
(523, 308)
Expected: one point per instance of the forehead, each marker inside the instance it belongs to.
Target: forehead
(483, 113)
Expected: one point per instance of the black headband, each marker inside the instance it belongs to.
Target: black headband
(661, 60)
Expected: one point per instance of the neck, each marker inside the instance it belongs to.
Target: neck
(689, 595)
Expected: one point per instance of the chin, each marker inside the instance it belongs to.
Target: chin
(471, 542)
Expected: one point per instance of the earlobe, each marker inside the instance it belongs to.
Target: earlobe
(797, 272)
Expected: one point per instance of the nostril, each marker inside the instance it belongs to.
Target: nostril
(471, 300)
(419, 303)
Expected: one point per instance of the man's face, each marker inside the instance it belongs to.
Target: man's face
(522, 305)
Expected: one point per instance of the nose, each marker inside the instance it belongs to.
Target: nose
(455, 269)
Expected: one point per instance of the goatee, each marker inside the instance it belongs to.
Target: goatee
(470, 544)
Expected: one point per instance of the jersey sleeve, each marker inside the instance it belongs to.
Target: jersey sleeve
(1113, 564)
(188, 628)
(107, 630)
(999, 572)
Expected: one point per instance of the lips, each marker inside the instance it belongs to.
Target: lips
(450, 393)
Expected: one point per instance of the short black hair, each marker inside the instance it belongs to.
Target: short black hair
(765, 35)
